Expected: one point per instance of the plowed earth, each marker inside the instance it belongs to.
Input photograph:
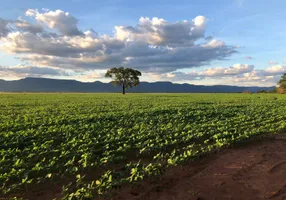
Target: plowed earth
(253, 171)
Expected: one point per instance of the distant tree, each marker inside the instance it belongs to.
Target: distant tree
(125, 77)
(282, 84)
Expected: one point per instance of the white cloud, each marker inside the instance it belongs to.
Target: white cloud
(233, 70)
(266, 74)
(153, 45)
(274, 70)
(238, 74)
(218, 72)
(158, 31)
(30, 71)
(214, 44)
(28, 27)
(29, 43)
(58, 19)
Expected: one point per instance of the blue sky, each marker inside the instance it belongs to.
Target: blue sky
(249, 35)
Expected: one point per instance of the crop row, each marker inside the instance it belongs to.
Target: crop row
(90, 144)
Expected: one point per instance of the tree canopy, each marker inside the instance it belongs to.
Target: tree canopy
(125, 77)
(282, 84)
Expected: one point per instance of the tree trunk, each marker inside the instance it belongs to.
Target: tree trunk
(123, 89)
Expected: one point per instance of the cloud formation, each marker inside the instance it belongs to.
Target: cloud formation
(242, 74)
(161, 32)
(262, 75)
(30, 71)
(153, 45)
(27, 27)
(62, 21)
(217, 72)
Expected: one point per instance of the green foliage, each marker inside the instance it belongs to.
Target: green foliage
(125, 77)
(282, 82)
(91, 143)
(81, 191)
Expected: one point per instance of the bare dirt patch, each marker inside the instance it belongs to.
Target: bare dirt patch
(253, 171)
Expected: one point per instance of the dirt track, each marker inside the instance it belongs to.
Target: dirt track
(254, 171)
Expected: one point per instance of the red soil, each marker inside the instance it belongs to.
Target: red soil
(255, 171)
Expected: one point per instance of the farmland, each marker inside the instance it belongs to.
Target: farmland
(89, 144)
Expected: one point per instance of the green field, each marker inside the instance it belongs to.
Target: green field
(91, 143)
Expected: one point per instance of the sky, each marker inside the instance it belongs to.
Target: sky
(203, 42)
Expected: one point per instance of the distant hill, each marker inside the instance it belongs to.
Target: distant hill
(56, 85)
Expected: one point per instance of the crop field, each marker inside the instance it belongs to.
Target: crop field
(86, 145)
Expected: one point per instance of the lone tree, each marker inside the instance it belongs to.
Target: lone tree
(282, 84)
(125, 77)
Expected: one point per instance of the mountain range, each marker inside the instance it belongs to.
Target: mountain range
(59, 85)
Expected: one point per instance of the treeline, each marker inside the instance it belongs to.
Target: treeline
(280, 89)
